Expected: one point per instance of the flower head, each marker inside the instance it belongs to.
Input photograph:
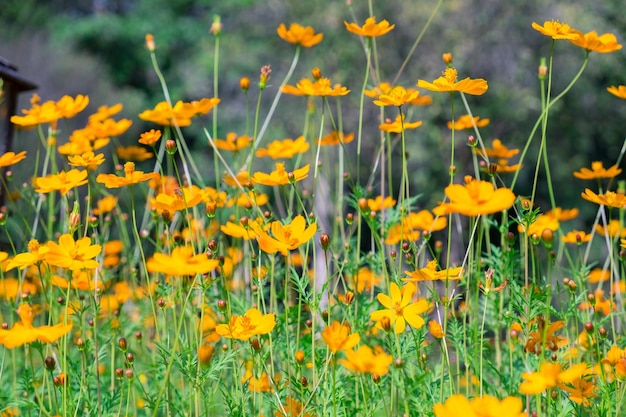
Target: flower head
(73, 254)
(284, 238)
(133, 153)
(555, 30)
(252, 323)
(318, 88)
(233, 142)
(299, 35)
(182, 261)
(549, 375)
(24, 332)
(485, 406)
(9, 158)
(398, 125)
(366, 361)
(400, 308)
(468, 122)
(150, 138)
(475, 198)
(618, 91)
(87, 160)
(497, 150)
(284, 149)
(597, 171)
(397, 96)
(62, 182)
(370, 28)
(336, 138)
(338, 337)
(590, 41)
(131, 177)
(448, 83)
(280, 176)
(609, 198)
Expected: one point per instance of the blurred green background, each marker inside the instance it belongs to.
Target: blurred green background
(96, 47)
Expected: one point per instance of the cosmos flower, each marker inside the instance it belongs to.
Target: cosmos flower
(448, 83)
(370, 28)
(400, 308)
(299, 35)
(252, 323)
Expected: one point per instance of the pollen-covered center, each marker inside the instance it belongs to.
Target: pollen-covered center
(450, 75)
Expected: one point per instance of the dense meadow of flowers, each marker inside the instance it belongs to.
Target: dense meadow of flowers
(298, 282)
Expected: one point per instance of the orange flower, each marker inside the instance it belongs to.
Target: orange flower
(497, 150)
(261, 384)
(609, 198)
(204, 105)
(563, 214)
(613, 229)
(502, 167)
(600, 305)
(370, 28)
(105, 112)
(240, 178)
(335, 138)
(293, 408)
(252, 323)
(36, 253)
(548, 376)
(317, 88)
(541, 223)
(435, 329)
(150, 138)
(87, 160)
(397, 97)
(233, 142)
(286, 237)
(133, 153)
(10, 158)
(536, 338)
(448, 83)
(279, 176)
(485, 406)
(365, 279)
(398, 125)
(556, 30)
(617, 91)
(378, 204)
(577, 237)
(73, 254)
(131, 177)
(597, 171)
(468, 122)
(38, 114)
(180, 200)
(240, 231)
(597, 275)
(400, 309)
(70, 107)
(164, 114)
(337, 337)
(286, 148)
(181, 262)
(105, 205)
(24, 332)
(299, 35)
(475, 198)
(382, 88)
(430, 273)
(62, 182)
(367, 361)
(590, 41)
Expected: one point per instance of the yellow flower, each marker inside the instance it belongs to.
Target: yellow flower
(545, 334)
(541, 223)
(335, 138)
(497, 150)
(240, 178)
(370, 28)
(150, 138)
(382, 88)
(448, 83)
(233, 142)
(87, 160)
(180, 200)
(36, 253)
(609, 198)
(366, 361)
(70, 107)
(293, 408)
(430, 273)
(400, 309)
(577, 237)
(337, 337)
(502, 167)
(378, 204)
(164, 114)
(106, 128)
(131, 177)
(555, 30)
(397, 97)
(617, 91)
(38, 114)
(10, 288)
(286, 237)
(548, 376)
(24, 332)
(261, 384)
(73, 254)
(317, 88)
(597, 171)
(62, 182)
(299, 35)
(590, 41)
(398, 125)
(105, 205)
(600, 305)
(486, 406)
(240, 231)
(105, 112)
(181, 262)
(435, 329)
(82, 280)
(286, 148)
(468, 122)
(9, 158)
(252, 323)
(204, 105)
(279, 176)
(133, 153)
(475, 198)
(613, 229)
(597, 275)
